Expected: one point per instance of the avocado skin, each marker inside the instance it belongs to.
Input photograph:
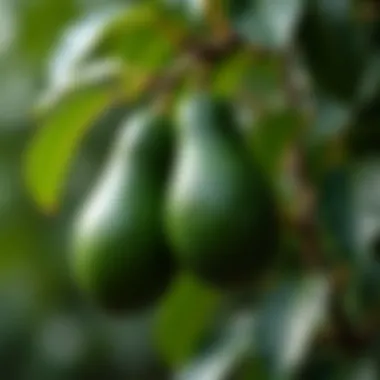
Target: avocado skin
(220, 216)
(120, 255)
(335, 48)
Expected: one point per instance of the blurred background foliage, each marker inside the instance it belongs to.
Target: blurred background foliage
(69, 70)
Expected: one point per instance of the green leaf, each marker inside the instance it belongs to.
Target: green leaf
(335, 209)
(271, 23)
(142, 36)
(261, 77)
(366, 208)
(193, 10)
(362, 297)
(272, 342)
(332, 118)
(369, 87)
(365, 369)
(44, 20)
(18, 88)
(222, 358)
(363, 138)
(231, 74)
(271, 135)
(54, 143)
(324, 362)
(363, 294)
(8, 28)
(252, 368)
(76, 44)
(288, 322)
(96, 73)
(184, 317)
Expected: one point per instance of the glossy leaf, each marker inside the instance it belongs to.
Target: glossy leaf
(369, 87)
(271, 135)
(363, 136)
(288, 322)
(324, 363)
(142, 36)
(55, 142)
(76, 44)
(44, 20)
(366, 207)
(363, 294)
(193, 10)
(18, 88)
(271, 23)
(332, 118)
(365, 369)
(261, 77)
(221, 360)
(336, 208)
(183, 318)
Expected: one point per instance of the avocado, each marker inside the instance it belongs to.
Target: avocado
(120, 254)
(335, 48)
(219, 215)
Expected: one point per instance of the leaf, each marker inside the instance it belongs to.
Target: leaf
(96, 73)
(8, 28)
(363, 294)
(362, 297)
(324, 362)
(76, 44)
(271, 23)
(44, 20)
(18, 88)
(230, 75)
(262, 77)
(332, 118)
(366, 208)
(54, 143)
(271, 135)
(193, 10)
(288, 321)
(184, 317)
(253, 368)
(363, 137)
(221, 359)
(335, 208)
(369, 87)
(142, 36)
(365, 369)
(270, 342)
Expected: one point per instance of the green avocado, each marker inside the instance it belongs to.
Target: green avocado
(334, 47)
(120, 255)
(219, 215)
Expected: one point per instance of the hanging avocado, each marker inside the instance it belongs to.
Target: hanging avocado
(219, 216)
(120, 256)
(334, 46)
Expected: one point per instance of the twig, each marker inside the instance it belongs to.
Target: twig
(193, 53)
(304, 218)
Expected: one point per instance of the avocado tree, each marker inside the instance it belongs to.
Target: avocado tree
(236, 199)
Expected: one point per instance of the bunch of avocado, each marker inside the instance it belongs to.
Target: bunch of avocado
(176, 194)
